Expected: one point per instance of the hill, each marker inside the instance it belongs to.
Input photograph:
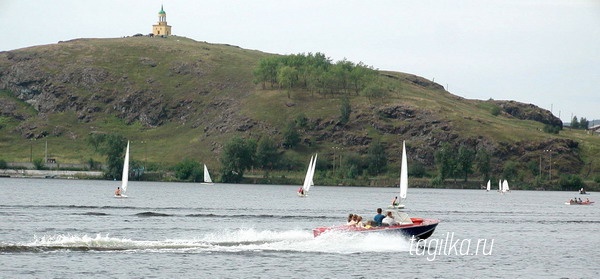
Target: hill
(177, 98)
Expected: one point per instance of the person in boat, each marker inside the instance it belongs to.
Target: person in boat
(395, 201)
(118, 192)
(579, 201)
(369, 224)
(389, 220)
(587, 200)
(359, 222)
(581, 191)
(379, 217)
(352, 219)
(301, 191)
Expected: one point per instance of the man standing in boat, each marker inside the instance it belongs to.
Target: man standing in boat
(118, 192)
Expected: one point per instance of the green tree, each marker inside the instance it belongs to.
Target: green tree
(444, 159)
(113, 147)
(584, 123)
(237, 157)
(190, 170)
(416, 169)
(373, 91)
(266, 71)
(345, 110)
(510, 170)
(287, 77)
(291, 137)
(483, 163)
(266, 153)
(353, 165)
(376, 158)
(570, 182)
(574, 123)
(465, 158)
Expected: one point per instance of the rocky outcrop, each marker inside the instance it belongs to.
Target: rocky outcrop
(529, 112)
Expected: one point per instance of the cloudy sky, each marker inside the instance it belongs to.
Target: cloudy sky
(544, 52)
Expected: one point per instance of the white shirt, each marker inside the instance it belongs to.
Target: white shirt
(389, 221)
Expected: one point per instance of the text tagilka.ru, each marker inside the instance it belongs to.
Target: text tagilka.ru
(447, 246)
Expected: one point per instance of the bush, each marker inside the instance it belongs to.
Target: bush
(495, 110)
(570, 182)
(3, 164)
(436, 181)
(38, 163)
(551, 129)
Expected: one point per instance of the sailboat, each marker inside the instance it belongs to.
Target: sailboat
(125, 175)
(207, 179)
(403, 180)
(500, 185)
(489, 185)
(505, 187)
(308, 179)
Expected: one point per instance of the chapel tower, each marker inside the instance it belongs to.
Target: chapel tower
(161, 29)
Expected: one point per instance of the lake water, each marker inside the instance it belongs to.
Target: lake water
(76, 229)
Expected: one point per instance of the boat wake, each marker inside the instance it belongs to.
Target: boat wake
(231, 241)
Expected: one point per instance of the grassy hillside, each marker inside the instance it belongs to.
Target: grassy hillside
(176, 98)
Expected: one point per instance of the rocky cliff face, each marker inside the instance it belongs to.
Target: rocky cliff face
(529, 112)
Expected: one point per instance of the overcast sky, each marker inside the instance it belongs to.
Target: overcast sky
(542, 52)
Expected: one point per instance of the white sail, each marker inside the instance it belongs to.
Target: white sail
(489, 185)
(125, 176)
(403, 175)
(308, 179)
(312, 171)
(207, 175)
(500, 185)
(505, 186)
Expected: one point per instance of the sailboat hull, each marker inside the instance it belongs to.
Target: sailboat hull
(419, 229)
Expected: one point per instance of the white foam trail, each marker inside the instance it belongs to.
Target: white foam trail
(238, 240)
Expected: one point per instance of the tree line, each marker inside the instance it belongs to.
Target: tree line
(317, 73)
(582, 123)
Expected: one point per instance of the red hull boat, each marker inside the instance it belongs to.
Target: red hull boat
(418, 228)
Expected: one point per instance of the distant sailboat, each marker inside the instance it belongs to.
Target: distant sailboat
(489, 185)
(403, 180)
(500, 185)
(207, 179)
(505, 187)
(125, 175)
(308, 179)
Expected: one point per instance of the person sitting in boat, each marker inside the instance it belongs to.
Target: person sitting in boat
(587, 200)
(118, 192)
(581, 191)
(301, 191)
(579, 201)
(389, 220)
(395, 201)
(379, 217)
(351, 220)
(369, 224)
(359, 222)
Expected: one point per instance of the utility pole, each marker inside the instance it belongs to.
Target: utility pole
(46, 153)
